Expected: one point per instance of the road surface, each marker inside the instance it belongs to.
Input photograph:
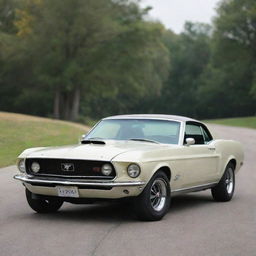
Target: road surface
(195, 224)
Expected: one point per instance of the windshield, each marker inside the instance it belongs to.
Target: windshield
(129, 129)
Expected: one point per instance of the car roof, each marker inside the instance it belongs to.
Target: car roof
(153, 116)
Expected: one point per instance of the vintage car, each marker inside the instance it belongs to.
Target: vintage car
(148, 158)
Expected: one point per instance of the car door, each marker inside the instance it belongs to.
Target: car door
(200, 161)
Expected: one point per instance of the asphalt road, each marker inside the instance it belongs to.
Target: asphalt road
(195, 224)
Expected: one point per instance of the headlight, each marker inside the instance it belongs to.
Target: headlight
(133, 170)
(106, 169)
(21, 165)
(35, 167)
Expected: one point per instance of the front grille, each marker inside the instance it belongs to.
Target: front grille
(69, 168)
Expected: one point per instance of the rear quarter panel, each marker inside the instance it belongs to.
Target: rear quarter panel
(229, 150)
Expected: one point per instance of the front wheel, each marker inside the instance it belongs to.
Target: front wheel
(41, 205)
(154, 202)
(224, 191)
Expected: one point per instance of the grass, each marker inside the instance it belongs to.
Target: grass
(18, 132)
(249, 122)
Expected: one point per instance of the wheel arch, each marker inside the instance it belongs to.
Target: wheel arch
(166, 169)
(231, 160)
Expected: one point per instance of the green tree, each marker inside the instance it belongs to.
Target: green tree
(140, 62)
(228, 85)
(189, 54)
(7, 52)
(62, 38)
(7, 15)
(90, 49)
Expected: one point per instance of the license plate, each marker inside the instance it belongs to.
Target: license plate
(67, 191)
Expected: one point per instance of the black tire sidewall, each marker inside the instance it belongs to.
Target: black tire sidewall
(220, 192)
(145, 211)
(40, 206)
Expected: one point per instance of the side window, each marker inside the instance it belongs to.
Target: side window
(194, 131)
(207, 135)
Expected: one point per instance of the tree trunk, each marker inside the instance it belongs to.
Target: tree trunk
(74, 112)
(66, 106)
(56, 104)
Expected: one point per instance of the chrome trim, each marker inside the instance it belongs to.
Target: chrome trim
(31, 179)
(158, 194)
(229, 180)
(194, 188)
(182, 133)
(72, 176)
(202, 133)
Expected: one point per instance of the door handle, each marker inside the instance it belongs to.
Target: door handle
(212, 148)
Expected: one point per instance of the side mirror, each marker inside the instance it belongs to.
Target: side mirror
(190, 141)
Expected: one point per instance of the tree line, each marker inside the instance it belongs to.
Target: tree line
(79, 59)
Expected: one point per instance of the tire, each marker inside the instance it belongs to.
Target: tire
(154, 202)
(224, 191)
(41, 205)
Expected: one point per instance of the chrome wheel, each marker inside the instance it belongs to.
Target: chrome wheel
(158, 194)
(224, 191)
(154, 202)
(229, 180)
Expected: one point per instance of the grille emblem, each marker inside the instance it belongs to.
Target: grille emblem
(66, 167)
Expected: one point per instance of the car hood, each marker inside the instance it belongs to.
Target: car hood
(102, 152)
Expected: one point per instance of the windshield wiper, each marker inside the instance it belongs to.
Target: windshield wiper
(145, 140)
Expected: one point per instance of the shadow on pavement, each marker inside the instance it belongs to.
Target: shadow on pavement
(98, 212)
(190, 201)
(120, 211)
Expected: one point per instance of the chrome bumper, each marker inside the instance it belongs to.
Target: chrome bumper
(69, 182)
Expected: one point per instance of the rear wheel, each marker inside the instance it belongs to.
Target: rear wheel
(41, 205)
(154, 202)
(224, 191)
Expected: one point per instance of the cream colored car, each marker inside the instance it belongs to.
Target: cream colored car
(148, 158)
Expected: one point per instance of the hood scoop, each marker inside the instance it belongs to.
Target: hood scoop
(97, 142)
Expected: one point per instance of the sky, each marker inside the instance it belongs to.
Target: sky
(174, 13)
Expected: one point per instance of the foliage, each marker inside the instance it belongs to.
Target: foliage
(189, 53)
(140, 63)
(7, 15)
(84, 59)
(213, 70)
(78, 49)
(228, 84)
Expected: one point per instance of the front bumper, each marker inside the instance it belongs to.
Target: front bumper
(86, 188)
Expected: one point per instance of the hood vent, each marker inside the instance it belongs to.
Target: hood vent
(97, 142)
